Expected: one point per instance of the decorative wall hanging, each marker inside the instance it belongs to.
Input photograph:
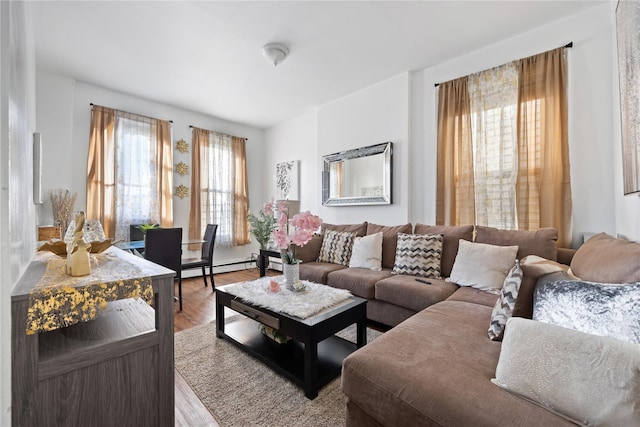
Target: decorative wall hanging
(182, 168)
(627, 28)
(182, 146)
(182, 191)
(287, 180)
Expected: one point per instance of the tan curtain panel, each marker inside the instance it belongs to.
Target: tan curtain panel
(455, 177)
(101, 169)
(219, 187)
(114, 162)
(544, 185)
(199, 144)
(241, 199)
(164, 176)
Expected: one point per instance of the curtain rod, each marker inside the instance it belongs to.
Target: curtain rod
(142, 115)
(192, 127)
(566, 46)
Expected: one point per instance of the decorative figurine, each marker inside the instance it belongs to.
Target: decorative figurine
(78, 262)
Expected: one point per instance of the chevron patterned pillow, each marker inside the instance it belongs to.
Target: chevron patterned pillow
(336, 247)
(503, 309)
(419, 255)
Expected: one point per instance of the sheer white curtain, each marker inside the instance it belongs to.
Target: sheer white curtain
(493, 96)
(136, 192)
(217, 182)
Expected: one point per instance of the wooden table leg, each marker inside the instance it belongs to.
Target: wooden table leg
(219, 318)
(310, 368)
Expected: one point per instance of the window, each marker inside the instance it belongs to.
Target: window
(129, 177)
(503, 156)
(219, 192)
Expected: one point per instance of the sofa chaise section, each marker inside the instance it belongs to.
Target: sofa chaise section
(434, 369)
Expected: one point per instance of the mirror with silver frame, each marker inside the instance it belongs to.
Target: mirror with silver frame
(361, 176)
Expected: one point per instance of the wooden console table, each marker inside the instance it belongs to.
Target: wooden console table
(115, 370)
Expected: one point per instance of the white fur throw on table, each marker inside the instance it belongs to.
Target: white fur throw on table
(303, 304)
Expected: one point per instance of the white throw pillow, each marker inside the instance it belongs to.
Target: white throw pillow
(367, 252)
(482, 266)
(589, 379)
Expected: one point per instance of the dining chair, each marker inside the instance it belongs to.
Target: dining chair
(164, 247)
(206, 255)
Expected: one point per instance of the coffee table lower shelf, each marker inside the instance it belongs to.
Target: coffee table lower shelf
(288, 359)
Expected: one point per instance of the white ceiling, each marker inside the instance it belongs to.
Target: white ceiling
(207, 56)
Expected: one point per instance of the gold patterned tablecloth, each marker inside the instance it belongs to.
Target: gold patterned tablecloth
(60, 300)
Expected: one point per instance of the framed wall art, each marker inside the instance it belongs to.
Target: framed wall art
(287, 180)
(627, 29)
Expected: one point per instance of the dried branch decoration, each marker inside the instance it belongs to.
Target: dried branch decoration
(62, 203)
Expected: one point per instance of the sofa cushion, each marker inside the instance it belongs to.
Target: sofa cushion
(418, 255)
(606, 259)
(452, 235)
(389, 240)
(595, 308)
(360, 281)
(592, 380)
(434, 369)
(542, 242)
(318, 271)
(533, 267)
(482, 266)
(405, 291)
(336, 247)
(311, 250)
(503, 309)
(474, 296)
(367, 252)
(359, 229)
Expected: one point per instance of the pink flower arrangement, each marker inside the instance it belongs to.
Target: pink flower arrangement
(297, 231)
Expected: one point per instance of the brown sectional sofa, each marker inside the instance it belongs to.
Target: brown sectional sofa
(394, 298)
(434, 367)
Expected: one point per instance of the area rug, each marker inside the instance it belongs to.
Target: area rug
(239, 390)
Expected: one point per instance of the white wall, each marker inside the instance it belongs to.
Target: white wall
(294, 139)
(591, 127)
(403, 110)
(373, 115)
(64, 116)
(17, 211)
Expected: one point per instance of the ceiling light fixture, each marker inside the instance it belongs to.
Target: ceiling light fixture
(275, 53)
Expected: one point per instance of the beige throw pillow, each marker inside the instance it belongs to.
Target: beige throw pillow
(588, 379)
(367, 252)
(482, 266)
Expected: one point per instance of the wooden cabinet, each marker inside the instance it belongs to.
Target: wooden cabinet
(116, 370)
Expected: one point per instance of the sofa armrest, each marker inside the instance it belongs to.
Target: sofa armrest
(565, 255)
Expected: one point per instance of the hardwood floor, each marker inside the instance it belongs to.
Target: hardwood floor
(198, 308)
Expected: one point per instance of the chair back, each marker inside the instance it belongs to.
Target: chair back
(209, 242)
(164, 246)
(135, 234)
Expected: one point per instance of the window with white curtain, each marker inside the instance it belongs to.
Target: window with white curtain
(493, 96)
(217, 187)
(136, 193)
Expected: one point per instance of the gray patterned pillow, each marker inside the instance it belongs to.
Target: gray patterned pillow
(419, 255)
(336, 247)
(595, 308)
(503, 309)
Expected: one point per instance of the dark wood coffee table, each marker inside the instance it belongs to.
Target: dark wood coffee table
(313, 357)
